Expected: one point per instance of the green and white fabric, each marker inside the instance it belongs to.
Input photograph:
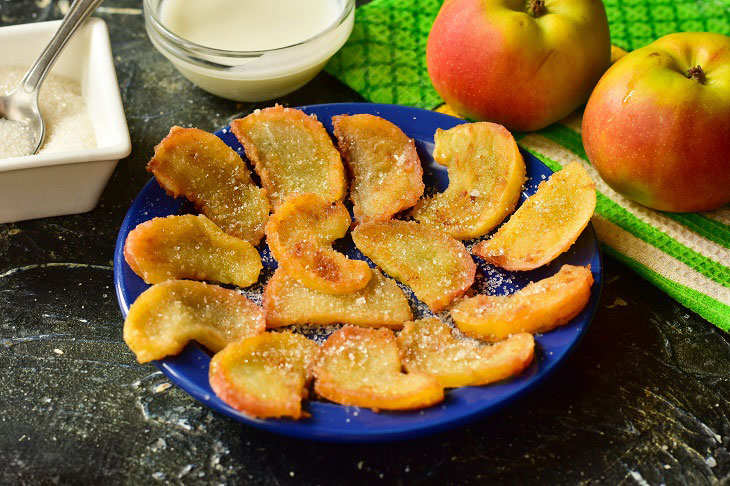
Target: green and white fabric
(686, 255)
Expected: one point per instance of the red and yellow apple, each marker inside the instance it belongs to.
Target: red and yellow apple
(521, 63)
(657, 126)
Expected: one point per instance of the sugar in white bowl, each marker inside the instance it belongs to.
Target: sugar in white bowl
(68, 124)
(69, 175)
(16, 139)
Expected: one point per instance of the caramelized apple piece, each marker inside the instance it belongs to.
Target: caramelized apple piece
(300, 235)
(546, 225)
(169, 314)
(538, 307)
(202, 168)
(429, 346)
(191, 247)
(264, 376)
(361, 367)
(486, 172)
(386, 172)
(434, 265)
(292, 153)
(380, 304)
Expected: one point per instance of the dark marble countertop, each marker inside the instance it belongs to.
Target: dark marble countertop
(641, 401)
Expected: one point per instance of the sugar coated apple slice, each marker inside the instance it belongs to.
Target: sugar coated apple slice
(202, 168)
(190, 247)
(380, 304)
(264, 376)
(486, 172)
(300, 235)
(292, 153)
(361, 367)
(434, 265)
(429, 346)
(546, 224)
(538, 307)
(383, 163)
(169, 314)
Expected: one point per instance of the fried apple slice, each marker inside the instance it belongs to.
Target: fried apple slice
(386, 172)
(300, 235)
(169, 314)
(264, 376)
(202, 168)
(380, 304)
(486, 172)
(361, 367)
(429, 346)
(191, 247)
(546, 225)
(538, 307)
(292, 153)
(434, 265)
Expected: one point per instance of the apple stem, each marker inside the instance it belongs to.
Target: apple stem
(536, 8)
(696, 73)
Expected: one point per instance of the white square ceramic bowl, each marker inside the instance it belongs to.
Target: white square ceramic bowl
(71, 182)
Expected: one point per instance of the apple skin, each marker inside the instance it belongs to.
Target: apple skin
(491, 60)
(659, 137)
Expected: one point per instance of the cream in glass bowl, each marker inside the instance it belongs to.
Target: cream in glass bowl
(249, 50)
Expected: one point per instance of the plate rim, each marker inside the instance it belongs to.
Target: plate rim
(378, 434)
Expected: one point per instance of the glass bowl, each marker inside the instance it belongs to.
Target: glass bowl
(249, 75)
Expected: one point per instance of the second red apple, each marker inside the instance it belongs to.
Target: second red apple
(522, 64)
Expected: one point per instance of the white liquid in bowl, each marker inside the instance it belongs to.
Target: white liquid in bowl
(248, 25)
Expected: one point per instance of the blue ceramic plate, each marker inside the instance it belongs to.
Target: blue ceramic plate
(330, 422)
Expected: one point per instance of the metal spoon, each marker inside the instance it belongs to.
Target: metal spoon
(21, 104)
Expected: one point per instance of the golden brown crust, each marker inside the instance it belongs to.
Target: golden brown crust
(300, 235)
(383, 163)
(434, 265)
(486, 173)
(539, 307)
(429, 346)
(165, 317)
(264, 376)
(361, 367)
(200, 167)
(292, 153)
(546, 225)
(191, 247)
(380, 304)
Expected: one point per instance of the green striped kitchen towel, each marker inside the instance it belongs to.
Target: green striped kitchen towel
(686, 255)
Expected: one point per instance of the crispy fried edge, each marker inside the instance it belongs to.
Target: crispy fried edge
(449, 242)
(209, 228)
(171, 188)
(485, 224)
(336, 175)
(413, 162)
(277, 282)
(560, 309)
(503, 260)
(353, 275)
(145, 355)
(245, 402)
(509, 364)
(327, 388)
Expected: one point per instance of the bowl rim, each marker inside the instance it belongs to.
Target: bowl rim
(105, 73)
(167, 35)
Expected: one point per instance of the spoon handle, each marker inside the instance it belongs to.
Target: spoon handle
(76, 15)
